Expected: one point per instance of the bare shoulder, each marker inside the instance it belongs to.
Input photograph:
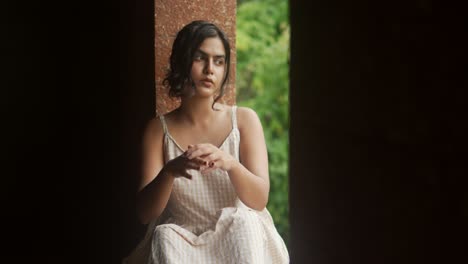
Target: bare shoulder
(169, 117)
(222, 107)
(247, 118)
(224, 110)
(153, 130)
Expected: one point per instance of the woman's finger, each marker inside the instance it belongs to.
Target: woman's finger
(212, 157)
(198, 153)
(200, 161)
(187, 175)
(192, 165)
(211, 166)
(200, 150)
(214, 164)
(207, 170)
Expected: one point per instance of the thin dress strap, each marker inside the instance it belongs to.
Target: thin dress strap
(163, 122)
(234, 117)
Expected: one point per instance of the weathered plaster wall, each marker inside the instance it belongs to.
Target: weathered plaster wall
(170, 17)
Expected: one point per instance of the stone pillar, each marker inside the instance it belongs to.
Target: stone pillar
(170, 17)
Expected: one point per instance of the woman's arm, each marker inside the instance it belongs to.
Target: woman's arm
(155, 186)
(249, 176)
(157, 179)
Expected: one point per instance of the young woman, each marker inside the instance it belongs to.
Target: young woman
(205, 178)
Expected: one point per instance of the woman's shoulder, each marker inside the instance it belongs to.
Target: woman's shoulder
(154, 127)
(247, 117)
(168, 117)
(246, 111)
(242, 112)
(170, 114)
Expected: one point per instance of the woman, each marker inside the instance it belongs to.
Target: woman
(205, 179)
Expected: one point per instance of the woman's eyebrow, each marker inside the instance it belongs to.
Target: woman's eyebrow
(206, 54)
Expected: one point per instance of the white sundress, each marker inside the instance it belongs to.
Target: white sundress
(205, 222)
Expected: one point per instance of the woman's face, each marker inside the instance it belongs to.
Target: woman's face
(208, 67)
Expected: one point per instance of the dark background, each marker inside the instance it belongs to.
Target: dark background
(377, 147)
(378, 132)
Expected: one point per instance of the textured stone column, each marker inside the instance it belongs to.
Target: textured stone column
(170, 17)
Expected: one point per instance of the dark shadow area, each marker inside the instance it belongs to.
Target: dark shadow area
(378, 132)
(77, 88)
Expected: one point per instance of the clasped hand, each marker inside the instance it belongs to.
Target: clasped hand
(203, 157)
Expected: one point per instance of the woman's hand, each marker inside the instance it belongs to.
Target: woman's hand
(213, 157)
(179, 166)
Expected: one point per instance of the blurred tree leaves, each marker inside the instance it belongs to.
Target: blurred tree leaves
(262, 83)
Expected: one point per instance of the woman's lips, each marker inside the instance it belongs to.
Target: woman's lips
(207, 83)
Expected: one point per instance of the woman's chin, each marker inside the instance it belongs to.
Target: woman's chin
(204, 91)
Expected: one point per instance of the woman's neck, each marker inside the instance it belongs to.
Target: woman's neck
(197, 110)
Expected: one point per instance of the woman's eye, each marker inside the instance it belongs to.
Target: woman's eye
(219, 62)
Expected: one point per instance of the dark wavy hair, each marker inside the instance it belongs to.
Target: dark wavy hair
(187, 42)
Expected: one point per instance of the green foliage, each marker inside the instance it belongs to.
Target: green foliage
(262, 84)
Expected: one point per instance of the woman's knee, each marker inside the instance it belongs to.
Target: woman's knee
(161, 237)
(248, 223)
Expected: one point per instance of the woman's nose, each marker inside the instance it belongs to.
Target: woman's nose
(209, 67)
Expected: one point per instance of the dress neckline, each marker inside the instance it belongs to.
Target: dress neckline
(234, 128)
(167, 134)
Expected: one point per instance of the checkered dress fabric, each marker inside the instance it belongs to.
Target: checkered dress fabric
(205, 222)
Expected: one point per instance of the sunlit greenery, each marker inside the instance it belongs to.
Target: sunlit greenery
(262, 84)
